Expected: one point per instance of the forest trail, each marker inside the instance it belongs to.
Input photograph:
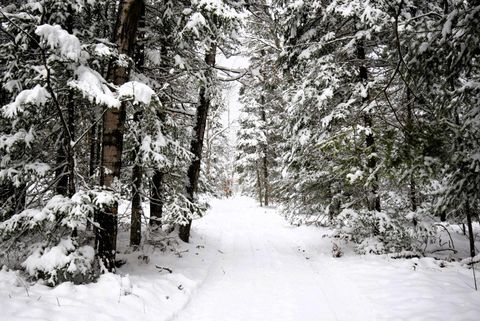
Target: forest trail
(261, 271)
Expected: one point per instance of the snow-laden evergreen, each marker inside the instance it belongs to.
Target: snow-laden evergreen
(375, 120)
(357, 121)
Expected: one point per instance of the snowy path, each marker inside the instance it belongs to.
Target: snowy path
(245, 263)
(261, 272)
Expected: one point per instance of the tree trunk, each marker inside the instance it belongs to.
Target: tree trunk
(471, 236)
(156, 199)
(137, 171)
(61, 175)
(113, 129)
(197, 141)
(136, 218)
(373, 198)
(410, 144)
(137, 211)
(94, 149)
(65, 174)
(259, 183)
(12, 199)
(70, 151)
(413, 194)
(208, 161)
(157, 189)
(266, 185)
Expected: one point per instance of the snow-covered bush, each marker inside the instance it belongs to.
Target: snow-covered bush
(66, 261)
(382, 232)
(52, 243)
(180, 210)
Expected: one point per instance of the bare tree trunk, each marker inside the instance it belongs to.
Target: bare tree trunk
(113, 128)
(136, 218)
(266, 185)
(61, 175)
(12, 199)
(410, 144)
(156, 199)
(137, 171)
(208, 160)
(471, 236)
(65, 174)
(197, 141)
(373, 198)
(137, 211)
(92, 135)
(94, 142)
(259, 183)
(157, 188)
(70, 151)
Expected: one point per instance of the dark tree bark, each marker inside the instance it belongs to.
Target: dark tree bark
(137, 171)
(266, 184)
(93, 141)
(157, 188)
(70, 151)
(136, 219)
(12, 199)
(92, 162)
(61, 175)
(156, 199)
(373, 198)
(137, 211)
(66, 173)
(471, 236)
(259, 183)
(197, 142)
(113, 128)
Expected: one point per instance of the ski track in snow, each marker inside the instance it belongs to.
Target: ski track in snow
(246, 263)
(260, 273)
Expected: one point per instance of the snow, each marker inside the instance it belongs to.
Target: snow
(35, 96)
(154, 56)
(58, 257)
(246, 263)
(104, 198)
(30, 215)
(139, 92)
(93, 87)
(8, 141)
(353, 177)
(195, 22)
(102, 50)
(39, 168)
(58, 38)
(447, 27)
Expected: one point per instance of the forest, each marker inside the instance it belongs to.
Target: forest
(126, 131)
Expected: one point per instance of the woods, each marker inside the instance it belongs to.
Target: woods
(369, 108)
(98, 107)
(361, 116)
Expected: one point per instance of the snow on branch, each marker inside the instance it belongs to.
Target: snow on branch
(57, 38)
(93, 87)
(36, 96)
(137, 92)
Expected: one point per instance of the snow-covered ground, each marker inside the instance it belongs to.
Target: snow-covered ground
(246, 263)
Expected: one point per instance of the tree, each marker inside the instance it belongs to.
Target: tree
(197, 141)
(125, 32)
(215, 21)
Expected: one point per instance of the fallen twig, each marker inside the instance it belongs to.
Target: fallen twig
(164, 268)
